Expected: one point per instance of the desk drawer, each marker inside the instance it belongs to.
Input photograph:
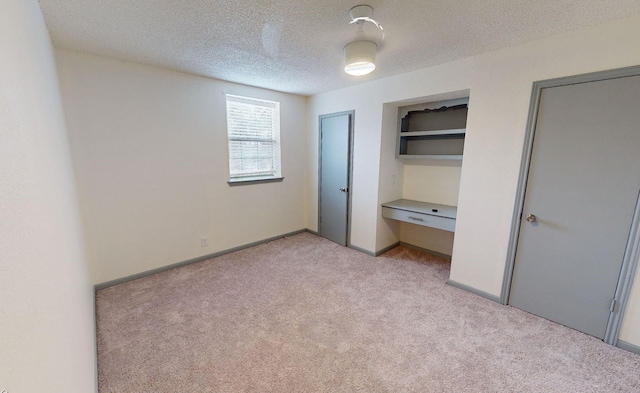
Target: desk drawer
(427, 220)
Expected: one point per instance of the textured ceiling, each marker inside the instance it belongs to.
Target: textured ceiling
(296, 45)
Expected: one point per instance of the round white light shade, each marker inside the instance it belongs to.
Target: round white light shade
(360, 57)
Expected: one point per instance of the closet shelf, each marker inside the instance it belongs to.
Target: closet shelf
(457, 131)
(437, 133)
(430, 157)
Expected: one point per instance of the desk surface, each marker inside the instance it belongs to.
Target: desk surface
(433, 209)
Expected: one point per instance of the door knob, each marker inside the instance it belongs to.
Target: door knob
(531, 218)
(343, 190)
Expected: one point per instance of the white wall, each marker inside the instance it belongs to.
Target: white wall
(500, 87)
(149, 147)
(46, 306)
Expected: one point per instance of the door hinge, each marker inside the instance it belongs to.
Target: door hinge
(612, 307)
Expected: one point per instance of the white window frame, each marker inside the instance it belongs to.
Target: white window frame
(243, 138)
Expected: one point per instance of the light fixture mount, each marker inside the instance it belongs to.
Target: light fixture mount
(362, 13)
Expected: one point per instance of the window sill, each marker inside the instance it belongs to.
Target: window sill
(253, 180)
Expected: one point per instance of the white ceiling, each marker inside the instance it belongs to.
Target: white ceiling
(296, 45)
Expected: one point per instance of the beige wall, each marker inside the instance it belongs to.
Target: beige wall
(391, 176)
(46, 307)
(630, 331)
(500, 87)
(433, 183)
(437, 182)
(149, 148)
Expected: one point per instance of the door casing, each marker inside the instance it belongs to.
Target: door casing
(632, 253)
(351, 114)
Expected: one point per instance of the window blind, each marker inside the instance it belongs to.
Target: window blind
(253, 128)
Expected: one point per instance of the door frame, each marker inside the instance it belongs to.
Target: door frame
(351, 114)
(632, 252)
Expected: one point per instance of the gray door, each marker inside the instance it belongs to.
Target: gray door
(582, 188)
(333, 201)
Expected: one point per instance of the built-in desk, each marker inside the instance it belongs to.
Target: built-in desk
(421, 213)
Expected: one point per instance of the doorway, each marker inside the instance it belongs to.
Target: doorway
(571, 257)
(334, 176)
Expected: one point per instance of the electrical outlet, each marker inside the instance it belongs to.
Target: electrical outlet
(204, 241)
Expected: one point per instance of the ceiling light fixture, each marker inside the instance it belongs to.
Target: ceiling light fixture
(360, 54)
(360, 57)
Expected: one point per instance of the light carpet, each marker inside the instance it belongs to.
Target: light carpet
(302, 314)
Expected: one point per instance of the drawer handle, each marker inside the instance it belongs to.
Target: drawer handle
(415, 218)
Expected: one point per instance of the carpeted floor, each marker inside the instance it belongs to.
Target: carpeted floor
(302, 314)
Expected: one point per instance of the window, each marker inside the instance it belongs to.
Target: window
(253, 128)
